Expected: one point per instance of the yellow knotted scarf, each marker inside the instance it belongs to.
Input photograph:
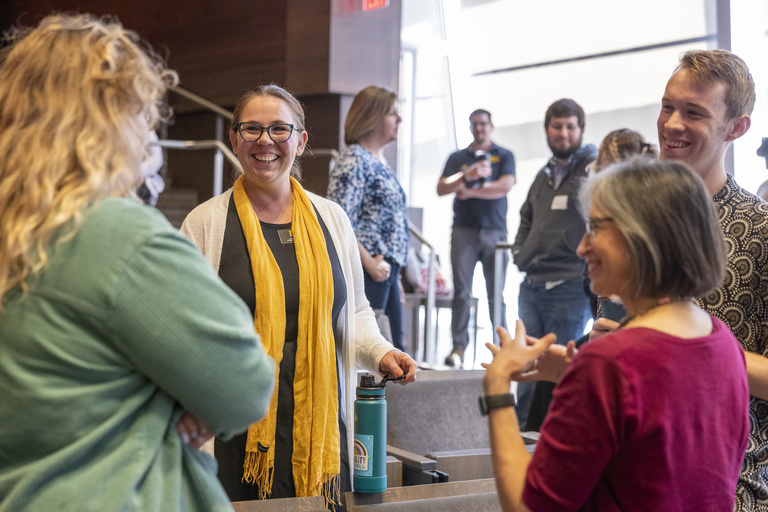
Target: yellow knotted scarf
(316, 464)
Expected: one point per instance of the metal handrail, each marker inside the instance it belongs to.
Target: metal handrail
(498, 285)
(429, 351)
(217, 144)
(199, 144)
(333, 153)
(218, 163)
(226, 114)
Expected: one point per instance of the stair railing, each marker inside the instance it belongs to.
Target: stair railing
(222, 151)
(498, 286)
(428, 351)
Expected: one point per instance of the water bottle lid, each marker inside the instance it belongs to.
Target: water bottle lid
(368, 386)
(368, 381)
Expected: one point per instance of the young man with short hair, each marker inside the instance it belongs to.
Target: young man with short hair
(706, 106)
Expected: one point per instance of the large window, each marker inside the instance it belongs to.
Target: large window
(514, 58)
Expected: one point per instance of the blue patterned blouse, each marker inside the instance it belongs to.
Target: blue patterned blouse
(375, 202)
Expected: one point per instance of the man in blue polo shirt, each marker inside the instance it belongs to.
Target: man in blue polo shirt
(480, 176)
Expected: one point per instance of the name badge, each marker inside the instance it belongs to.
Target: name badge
(286, 236)
(559, 203)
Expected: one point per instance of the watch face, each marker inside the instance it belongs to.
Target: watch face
(482, 405)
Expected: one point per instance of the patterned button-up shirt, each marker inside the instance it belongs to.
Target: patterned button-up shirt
(374, 200)
(742, 303)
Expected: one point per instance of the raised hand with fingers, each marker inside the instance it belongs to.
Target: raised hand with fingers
(551, 365)
(513, 357)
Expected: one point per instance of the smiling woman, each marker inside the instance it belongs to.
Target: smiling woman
(268, 136)
(671, 255)
(617, 420)
(291, 256)
(605, 251)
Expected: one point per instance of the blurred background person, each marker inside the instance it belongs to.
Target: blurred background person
(552, 296)
(617, 146)
(629, 418)
(153, 185)
(292, 257)
(112, 324)
(480, 176)
(620, 145)
(367, 188)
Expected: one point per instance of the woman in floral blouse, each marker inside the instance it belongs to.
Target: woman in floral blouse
(367, 188)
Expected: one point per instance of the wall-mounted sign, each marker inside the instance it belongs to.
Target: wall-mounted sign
(369, 5)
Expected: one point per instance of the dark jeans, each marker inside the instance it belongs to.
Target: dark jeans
(386, 295)
(563, 310)
(468, 246)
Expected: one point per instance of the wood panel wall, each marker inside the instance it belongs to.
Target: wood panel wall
(324, 51)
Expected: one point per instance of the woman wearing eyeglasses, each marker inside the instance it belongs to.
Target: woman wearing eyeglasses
(291, 256)
(367, 188)
(655, 415)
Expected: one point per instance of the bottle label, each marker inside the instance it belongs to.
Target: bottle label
(363, 450)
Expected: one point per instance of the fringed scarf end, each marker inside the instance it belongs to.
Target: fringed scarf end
(256, 470)
(332, 490)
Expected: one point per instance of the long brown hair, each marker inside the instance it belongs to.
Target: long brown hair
(367, 109)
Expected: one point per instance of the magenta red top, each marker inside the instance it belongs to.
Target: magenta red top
(645, 421)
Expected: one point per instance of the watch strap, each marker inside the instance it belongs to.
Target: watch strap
(488, 403)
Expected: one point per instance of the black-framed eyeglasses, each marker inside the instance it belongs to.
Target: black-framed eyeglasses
(251, 132)
(595, 223)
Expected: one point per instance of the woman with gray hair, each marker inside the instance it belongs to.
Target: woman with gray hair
(631, 416)
(618, 146)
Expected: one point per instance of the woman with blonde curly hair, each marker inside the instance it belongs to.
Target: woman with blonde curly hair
(113, 328)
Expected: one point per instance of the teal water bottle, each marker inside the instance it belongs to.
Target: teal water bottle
(370, 464)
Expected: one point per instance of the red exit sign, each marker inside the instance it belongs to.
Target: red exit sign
(369, 5)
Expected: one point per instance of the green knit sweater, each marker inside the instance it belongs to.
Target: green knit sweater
(125, 328)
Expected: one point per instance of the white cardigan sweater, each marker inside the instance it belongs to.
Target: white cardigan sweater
(362, 341)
